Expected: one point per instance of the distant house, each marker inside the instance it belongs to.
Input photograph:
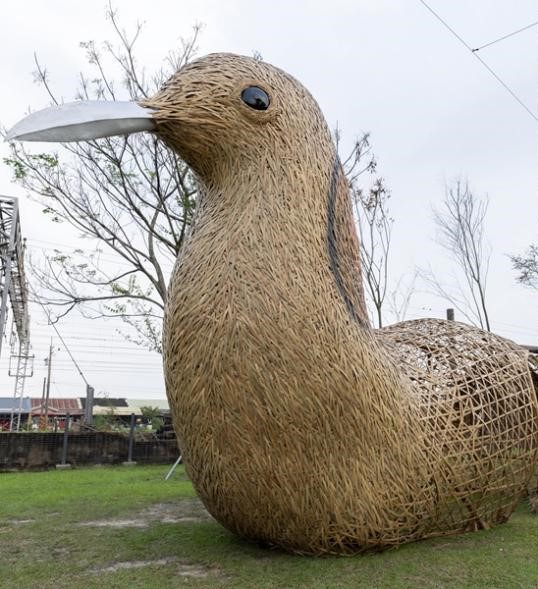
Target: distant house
(9, 405)
(57, 407)
(121, 407)
(161, 404)
(112, 406)
(32, 409)
(163, 424)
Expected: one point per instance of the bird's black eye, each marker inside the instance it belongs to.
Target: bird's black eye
(255, 97)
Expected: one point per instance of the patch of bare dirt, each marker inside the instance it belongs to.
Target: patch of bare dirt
(16, 522)
(184, 569)
(133, 564)
(192, 570)
(184, 511)
(115, 523)
(187, 510)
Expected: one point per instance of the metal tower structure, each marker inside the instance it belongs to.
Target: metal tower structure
(14, 291)
(21, 366)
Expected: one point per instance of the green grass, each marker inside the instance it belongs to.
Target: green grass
(43, 545)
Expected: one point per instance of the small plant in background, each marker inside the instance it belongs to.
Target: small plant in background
(106, 422)
(152, 415)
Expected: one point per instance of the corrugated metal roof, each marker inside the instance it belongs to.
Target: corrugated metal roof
(159, 403)
(106, 402)
(58, 406)
(8, 404)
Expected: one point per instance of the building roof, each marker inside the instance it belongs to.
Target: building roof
(105, 402)
(58, 406)
(159, 403)
(9, 404)
(118, 411)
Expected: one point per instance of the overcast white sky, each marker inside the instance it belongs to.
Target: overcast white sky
(383, 66)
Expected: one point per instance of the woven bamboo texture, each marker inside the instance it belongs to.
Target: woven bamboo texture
(300, 426)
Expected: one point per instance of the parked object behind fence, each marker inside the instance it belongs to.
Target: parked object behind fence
(300, 426)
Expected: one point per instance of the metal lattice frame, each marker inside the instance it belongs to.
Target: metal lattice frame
(21, 366)
(14, 291)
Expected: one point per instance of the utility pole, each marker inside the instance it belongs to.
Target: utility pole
(42, 406)
(88, 407)
(47, 394)
(88, 412)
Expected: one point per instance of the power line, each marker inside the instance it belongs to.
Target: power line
(110, 258)
(475, 54)
(506, 36)
(60, 336)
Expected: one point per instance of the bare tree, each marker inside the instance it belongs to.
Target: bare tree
(370, 207)
(460, 231)
(375, 228)
(130, 195)
(527, 267)
(360, 160)
(400, 296)
(135, 199)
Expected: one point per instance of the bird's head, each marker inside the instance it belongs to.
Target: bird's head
(215, 113)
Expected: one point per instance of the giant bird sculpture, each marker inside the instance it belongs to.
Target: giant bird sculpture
(300, 425)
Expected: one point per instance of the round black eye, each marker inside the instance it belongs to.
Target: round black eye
(255, 97)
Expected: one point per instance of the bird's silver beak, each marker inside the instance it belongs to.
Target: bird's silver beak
(81, 121)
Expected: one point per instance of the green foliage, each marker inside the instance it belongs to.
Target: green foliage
(107, 421)
(119, 289)
(129, 193)
(526, 266)
(46, 160)
(103, 423)
(157, 423)
(153, 415)
(18, 168)
(150, 412)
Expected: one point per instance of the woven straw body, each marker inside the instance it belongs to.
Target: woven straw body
(300, 426)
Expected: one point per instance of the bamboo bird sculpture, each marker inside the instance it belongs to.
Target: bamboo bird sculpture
(300, 426)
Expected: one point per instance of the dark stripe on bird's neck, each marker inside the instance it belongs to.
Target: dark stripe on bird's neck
(334, 257)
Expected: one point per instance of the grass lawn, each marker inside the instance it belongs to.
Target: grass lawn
(127, 527)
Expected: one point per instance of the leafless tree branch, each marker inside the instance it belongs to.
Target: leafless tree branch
(370, 207)
(527, 267)
(460, 231)
(130, 194)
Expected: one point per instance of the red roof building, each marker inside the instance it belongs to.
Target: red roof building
(57, 407)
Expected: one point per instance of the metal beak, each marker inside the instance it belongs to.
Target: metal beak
(81, 121)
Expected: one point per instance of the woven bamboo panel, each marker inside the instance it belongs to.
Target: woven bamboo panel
(300, 426)
(477, 405)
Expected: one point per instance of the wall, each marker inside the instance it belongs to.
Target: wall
(44, 450)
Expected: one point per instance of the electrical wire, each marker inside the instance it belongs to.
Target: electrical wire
(59, 335)
(475, 54)
(505, 36)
